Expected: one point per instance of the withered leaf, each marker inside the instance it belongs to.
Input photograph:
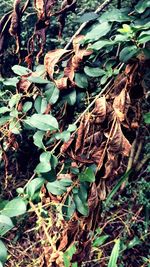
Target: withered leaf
(121, 104)
(100, 109)
(52, 58)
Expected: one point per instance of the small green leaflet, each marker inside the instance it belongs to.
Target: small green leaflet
(44, 165)
(20, 70)
(51, 93)
(38, 139)
(88, 17)
(114, 254)
(27, 106)
(5, 224)
(42, 122)
(142, 6)
(98, 30)
(69, 208)
(114, 15)
(128, 52)
(34, 185)
(40, 104)
(81, 80)
(14, 100)
(93, 72)
(147, 118)
(87, 175)
(144, 37)
(14, 208)
(71, 97)
(100, 240)
(3, 252)
(67, 255)
(58, 187)
(4, 110)
(37, 80)
(80, 199)
(100, 44)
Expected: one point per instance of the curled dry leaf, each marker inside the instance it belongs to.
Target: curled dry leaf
(52, 58)
(121, 105)
(100, 109)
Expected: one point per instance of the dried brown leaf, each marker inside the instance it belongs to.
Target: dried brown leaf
(121, 105)
(52, 58)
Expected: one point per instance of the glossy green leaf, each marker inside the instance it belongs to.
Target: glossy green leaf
(100, 240)
(37, 80)
(128, 52)
(144, 37)
(27, 106)
(71, 128)
(5, 224)
(147, 118)
(114, 254)
(15, 207)
(71, 97)
(80, 199)
(87, 175)
(69, 208)
(14, 100)
(42, 122)
(38, 139)
(3, 252)
(11, 81)
(117, 186)
(88, 17)
(134, 242)
(20, 70)
(98, 30)
(100, 44)
(114, 15)
(64, 136)
(81, 80)
(56, 188)
(142, 6)
(4, 120)
(67, 256)
(44, 165)
(4, 110)
(40, 104)
(93, 72)
(51, 93)
(34, 185)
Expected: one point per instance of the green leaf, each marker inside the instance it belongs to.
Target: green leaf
(144, 37)
(4, 110)
(67, 256)
(147, 118)
(57, 187)
(33, 186)
(81, 80)
(142, 6)
(87, 176)
(53, 161)
(27, 106)
(38, 139)
(42, 122)
(11, 82)
(100, 44)
(71, 128)
(100, 240)
(20, 70)
(3, 120)
(127, 53)
(117, 186)
(134, 242)
(97, 31)
(5, 224)
(3, 252)
(114, 15)
(14, 100)
(93, 72)
(88, 17)
(51, 93)
(69, 208)
(1, 265)
(64, 136)
(81, 206)
(44, 165)
(114, 254)
(71, 97)
(37, 80)
(40, 104)
(14, 208)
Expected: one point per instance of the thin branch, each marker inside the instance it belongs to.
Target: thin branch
(83, 25)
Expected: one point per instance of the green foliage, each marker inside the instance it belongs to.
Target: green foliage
(114, 254)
